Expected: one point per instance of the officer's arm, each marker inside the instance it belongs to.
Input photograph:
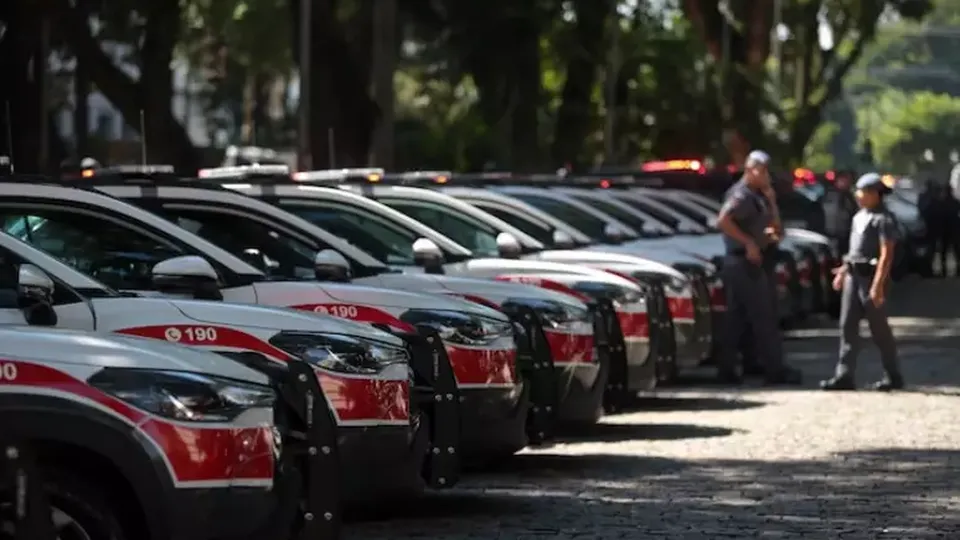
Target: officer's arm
(735, 206)
(888, 240)
(774, 212)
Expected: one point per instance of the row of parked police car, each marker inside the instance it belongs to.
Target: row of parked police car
(245, 352)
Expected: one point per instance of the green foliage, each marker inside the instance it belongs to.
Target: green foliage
(818, 153)
(902, 127)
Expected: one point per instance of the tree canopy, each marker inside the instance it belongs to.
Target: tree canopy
(527, 84)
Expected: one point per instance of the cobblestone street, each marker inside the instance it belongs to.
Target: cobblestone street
(711, 463)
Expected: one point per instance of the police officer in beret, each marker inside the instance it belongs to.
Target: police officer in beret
(749, 220)
(864, 279)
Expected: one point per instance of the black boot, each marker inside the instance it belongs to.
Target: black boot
(841, 382)
(888, 384)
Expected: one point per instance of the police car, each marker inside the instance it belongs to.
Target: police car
(134, 435)
(414, 247)
(364, 374)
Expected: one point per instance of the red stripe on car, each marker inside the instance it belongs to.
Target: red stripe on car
(478, 367)
(570, 348)
(359, 313)
(476, 300)
(542, 283)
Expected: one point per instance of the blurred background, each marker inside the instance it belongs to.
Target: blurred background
(463, 85)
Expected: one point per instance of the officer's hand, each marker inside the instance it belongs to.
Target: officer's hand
(838, 281)
(754, 255)
(769, 193)
(877, 296)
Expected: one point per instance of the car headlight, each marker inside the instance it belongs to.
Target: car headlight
(676, 285)
(560, 317)
(182, 395)
(342, 353)
(608, 291)
(460, 328)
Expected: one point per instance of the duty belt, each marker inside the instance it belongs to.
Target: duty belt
(860, 265)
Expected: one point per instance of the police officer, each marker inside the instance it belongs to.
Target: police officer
(950, 231)
(745, 219)
(864, 278)
(839, 206)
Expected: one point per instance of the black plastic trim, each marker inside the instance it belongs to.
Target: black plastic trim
(22, 487)
(536, 366)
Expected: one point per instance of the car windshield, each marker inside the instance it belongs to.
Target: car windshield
(589, 225)
(471, 233)
(542, 233)
(680, 208)
(370, 233)
(660, 214)
(631, 219)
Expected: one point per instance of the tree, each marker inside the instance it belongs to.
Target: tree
(907, 130)
(153, 29)
(737, 34)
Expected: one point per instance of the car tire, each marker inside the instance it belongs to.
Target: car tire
(87, 505)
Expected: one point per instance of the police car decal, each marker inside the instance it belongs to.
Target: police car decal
(550, 284)
(355, 401)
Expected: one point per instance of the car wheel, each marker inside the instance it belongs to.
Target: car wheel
(81, 509)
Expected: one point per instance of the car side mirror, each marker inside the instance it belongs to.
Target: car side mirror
(562, 240)
(427, 254)
(35, 296)
(187, 274)
(255, 258)
(613, 233)
(508, 246)
(331, 265)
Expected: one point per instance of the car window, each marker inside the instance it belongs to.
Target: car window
(542, 233)
(631, 219)
(288, 257)
(366, 231)
(589, 225)
(470, 233)
(663, 216)
(681, 208)
(119, 256)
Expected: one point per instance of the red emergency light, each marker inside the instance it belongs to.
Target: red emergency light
(804, 176)
(605, 183)
(674, 165)
(830, 176)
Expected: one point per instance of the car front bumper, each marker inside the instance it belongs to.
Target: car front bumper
(493, 421)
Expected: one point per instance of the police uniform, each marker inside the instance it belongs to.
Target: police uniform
(750, 306)
(869, 230)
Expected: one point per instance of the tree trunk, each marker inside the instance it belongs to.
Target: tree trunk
(19, 92)
(573, 118)
(81, 110)
(525, 114)
(167, 140)
(383, 66)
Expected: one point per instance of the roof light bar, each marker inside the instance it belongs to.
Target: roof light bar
(437, 177)
(243, 171)
(369, 174)
(673, 165)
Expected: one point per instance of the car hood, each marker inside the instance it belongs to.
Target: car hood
(93, 350)
(805, 235)
(496, 292)
(278, 319)
(317, 292)
(663, 253)
(495, 267)
(642, 264)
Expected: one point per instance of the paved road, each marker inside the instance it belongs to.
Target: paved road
(711, 463)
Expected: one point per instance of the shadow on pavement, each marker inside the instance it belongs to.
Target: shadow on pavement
(887, 494)
(607, 432)
(691, 403)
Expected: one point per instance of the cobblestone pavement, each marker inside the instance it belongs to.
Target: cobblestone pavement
(709, 463)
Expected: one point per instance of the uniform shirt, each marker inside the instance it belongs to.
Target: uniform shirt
(750, 211)
(869, 229)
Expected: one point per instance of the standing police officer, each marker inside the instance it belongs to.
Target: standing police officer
(864, 278)
(745, 219)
